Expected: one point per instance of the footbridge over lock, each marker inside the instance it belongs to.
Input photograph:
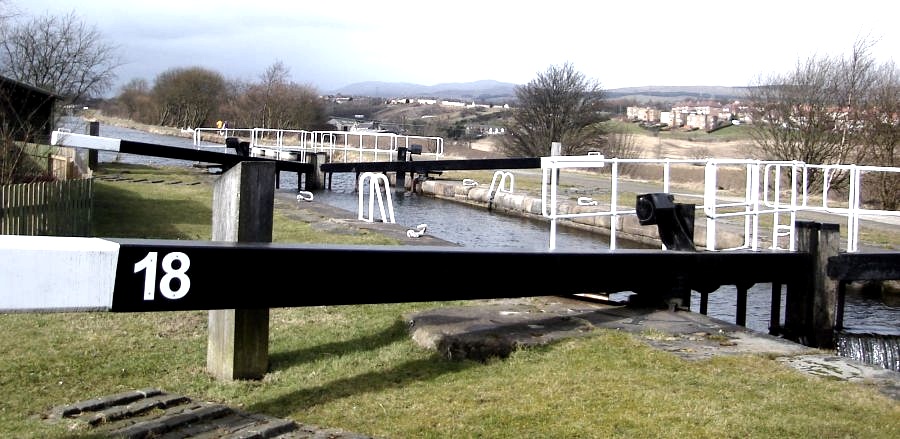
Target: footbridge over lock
(336, 146)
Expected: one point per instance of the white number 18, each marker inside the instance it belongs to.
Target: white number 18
(148, 264)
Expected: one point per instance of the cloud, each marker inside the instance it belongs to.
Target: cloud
(331, 45)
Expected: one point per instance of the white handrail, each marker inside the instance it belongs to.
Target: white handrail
(376, 180)
(220, 132)
(276, 142)
(776, 193)
(502, 176)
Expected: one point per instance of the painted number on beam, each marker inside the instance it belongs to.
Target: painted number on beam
(172, 273)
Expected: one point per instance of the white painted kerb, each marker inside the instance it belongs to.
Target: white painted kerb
(49, 273)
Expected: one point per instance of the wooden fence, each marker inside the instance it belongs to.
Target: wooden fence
(55, 208)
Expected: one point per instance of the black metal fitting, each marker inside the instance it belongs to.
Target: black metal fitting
(675, 221)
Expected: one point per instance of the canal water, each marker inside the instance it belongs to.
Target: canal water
(476, 227)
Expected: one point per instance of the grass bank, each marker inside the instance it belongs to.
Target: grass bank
(355, 367)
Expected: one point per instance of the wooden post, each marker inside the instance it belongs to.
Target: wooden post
(93, 154)
(243, 205)
(810, 308)
(796, 301)
(825, 296)
(775, 310)
(740, 312)
(400, 177)
(314, 180)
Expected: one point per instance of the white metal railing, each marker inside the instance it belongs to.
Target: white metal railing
(776, 188)
(218, 132)
(503, 181)
(853, 210)
(749, 207)
(295, 144)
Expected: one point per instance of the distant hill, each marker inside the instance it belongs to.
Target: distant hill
(481, 91)
(677, 93)
(488, 91)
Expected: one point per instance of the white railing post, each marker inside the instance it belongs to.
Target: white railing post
(853, 205)
(751, 197)
(709, 204)
(613, 204)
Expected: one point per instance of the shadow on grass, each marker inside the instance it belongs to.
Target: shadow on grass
(469, 348)
(395, 377)
(121, 212)
(391, 334)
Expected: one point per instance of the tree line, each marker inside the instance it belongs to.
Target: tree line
(191, 97)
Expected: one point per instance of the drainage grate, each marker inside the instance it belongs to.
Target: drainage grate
(152, 413)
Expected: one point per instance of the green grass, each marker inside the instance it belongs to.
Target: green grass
(176, 203)
(356, 368)
(153, 203)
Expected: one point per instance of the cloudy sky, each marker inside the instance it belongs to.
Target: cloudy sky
(623, 44)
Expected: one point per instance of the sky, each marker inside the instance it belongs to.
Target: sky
(328, 45)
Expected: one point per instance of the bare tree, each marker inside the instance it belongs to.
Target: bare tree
(277, 102)
(812, 114)
(560, 105)
(6, 11)
(135, 101)
(881, 130)
(187, 97)
(856, 75)
(58, 53)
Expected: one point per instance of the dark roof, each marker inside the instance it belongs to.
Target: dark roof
(9, 82)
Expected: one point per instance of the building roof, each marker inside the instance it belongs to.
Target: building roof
(9, 82)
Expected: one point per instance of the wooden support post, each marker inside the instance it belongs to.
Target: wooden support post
(314, 180)
(799, 293)
(400, 176)
(93, 154)
(825, 294)
(839, 307)
(243, 205)
(810, 307)
(740, 313)
(775, 310)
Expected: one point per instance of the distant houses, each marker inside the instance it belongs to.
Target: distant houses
(360, 125)
(701, 117)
